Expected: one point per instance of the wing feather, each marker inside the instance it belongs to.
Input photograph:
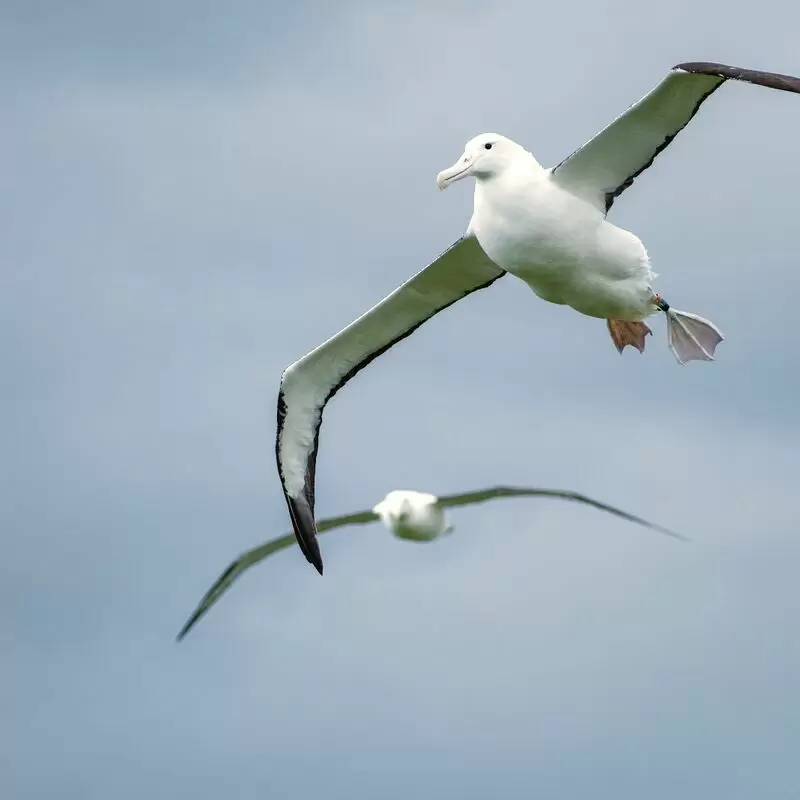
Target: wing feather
(481, 496)
(308, 384)
(608, 164)
(256, 556)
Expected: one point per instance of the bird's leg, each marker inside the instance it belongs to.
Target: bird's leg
(628, 333)
(660, 302)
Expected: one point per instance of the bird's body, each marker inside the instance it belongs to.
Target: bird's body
(414, 516)
(564, 248)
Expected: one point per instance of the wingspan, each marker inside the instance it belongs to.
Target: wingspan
(257, 555)
(308, 384)
(607, 165)
(469, 498)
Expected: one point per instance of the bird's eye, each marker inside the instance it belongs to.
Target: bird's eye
(488, 145)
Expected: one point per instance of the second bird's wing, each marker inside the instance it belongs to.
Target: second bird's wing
(495, 492)
(258, 554)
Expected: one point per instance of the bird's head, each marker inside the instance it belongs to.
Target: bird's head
(484, 157)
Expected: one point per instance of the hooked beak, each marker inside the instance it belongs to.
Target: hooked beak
(459, 170)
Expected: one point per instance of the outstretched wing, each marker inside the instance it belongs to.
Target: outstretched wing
(308, 384)
(258, 554)
(608, 164)
(468, 498)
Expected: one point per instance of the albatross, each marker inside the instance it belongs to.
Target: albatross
(546, 226)
(410, 515)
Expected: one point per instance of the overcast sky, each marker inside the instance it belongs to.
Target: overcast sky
(194, 195)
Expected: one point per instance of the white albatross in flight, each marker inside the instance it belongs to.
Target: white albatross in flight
(545, 226)
(414, 516)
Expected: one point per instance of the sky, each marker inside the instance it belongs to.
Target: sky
(195, 195)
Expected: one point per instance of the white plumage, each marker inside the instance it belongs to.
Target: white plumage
(546, 226)
(565, 249)
(416, 516)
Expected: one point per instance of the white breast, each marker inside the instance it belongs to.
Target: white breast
(411, 515)
(561, 246)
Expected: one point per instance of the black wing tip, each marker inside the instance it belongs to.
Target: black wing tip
(698, 66)
(626, 515)
(184, 630)
(771, 80)
(196, 616)
(190, 623)
(305, 529)
(710, 68)
(569, 494)
(314, 557)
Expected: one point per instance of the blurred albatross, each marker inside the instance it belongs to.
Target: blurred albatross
(413, 516)
(547, 227)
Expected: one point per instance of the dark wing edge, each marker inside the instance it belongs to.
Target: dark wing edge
(230, 574)
(613, 194)
(771, 80)
(301, 506)
(252, 557)
(469, 498)
(723, 72)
